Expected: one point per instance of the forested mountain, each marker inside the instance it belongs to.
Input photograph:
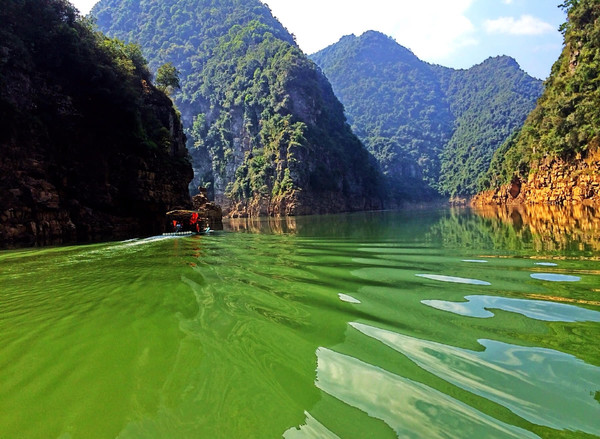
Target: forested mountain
(425, 122)
(563, 131)
(489, 102)
(269, 135)
(89, 147)
(395, 105)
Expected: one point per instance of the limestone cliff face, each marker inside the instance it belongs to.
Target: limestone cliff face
(50, 197)
(301, 203)
(303, 159)
(554, 181)
(89, 149)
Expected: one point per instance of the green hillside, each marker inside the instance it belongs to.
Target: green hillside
(269, 136)
(394, 104)
(489, 101)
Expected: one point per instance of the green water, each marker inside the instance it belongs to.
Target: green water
(430, 324)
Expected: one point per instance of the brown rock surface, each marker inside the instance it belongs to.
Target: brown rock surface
(555, 181)
(300, 202)
(208, 209)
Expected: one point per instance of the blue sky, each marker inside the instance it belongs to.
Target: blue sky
(453, 33)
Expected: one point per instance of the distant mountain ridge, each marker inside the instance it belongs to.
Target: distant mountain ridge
(432, 128)
(268, 136)
(490, 102)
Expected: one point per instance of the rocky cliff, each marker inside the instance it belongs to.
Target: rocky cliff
(554, 181)
(554, 158)
(90, 148)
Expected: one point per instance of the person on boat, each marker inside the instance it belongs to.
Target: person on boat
(194, 222)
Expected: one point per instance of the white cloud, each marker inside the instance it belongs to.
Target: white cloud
(507, 2)
(84, 6)
(525, 25)
(432, 29)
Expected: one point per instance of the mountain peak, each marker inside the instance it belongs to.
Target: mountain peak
(377, 35)
(503, 60)
(423, 121)
(371, 45)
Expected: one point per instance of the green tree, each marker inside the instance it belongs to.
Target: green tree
(167, 78)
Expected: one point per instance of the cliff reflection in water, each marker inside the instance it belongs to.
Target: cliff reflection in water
(361, 225)
(540, 227)
(546, 227)
(283, 225)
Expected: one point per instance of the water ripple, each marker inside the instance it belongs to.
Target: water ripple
(477, 306)
(347, 298)
(552, 277)
(544, 386)
(458, 280)
(410, 408)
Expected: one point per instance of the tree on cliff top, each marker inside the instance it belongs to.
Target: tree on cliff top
(167, 78)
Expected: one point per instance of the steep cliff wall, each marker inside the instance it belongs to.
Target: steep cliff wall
(554, 157)
(90, 149)
(554, 181)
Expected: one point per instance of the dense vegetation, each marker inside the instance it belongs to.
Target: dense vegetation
(261, 115)
(427, 125)
(489, 101)
(73, 75)
(394, 104)
(76, 108)
(566, 121)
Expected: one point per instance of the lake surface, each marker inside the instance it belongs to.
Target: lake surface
(421, 324)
